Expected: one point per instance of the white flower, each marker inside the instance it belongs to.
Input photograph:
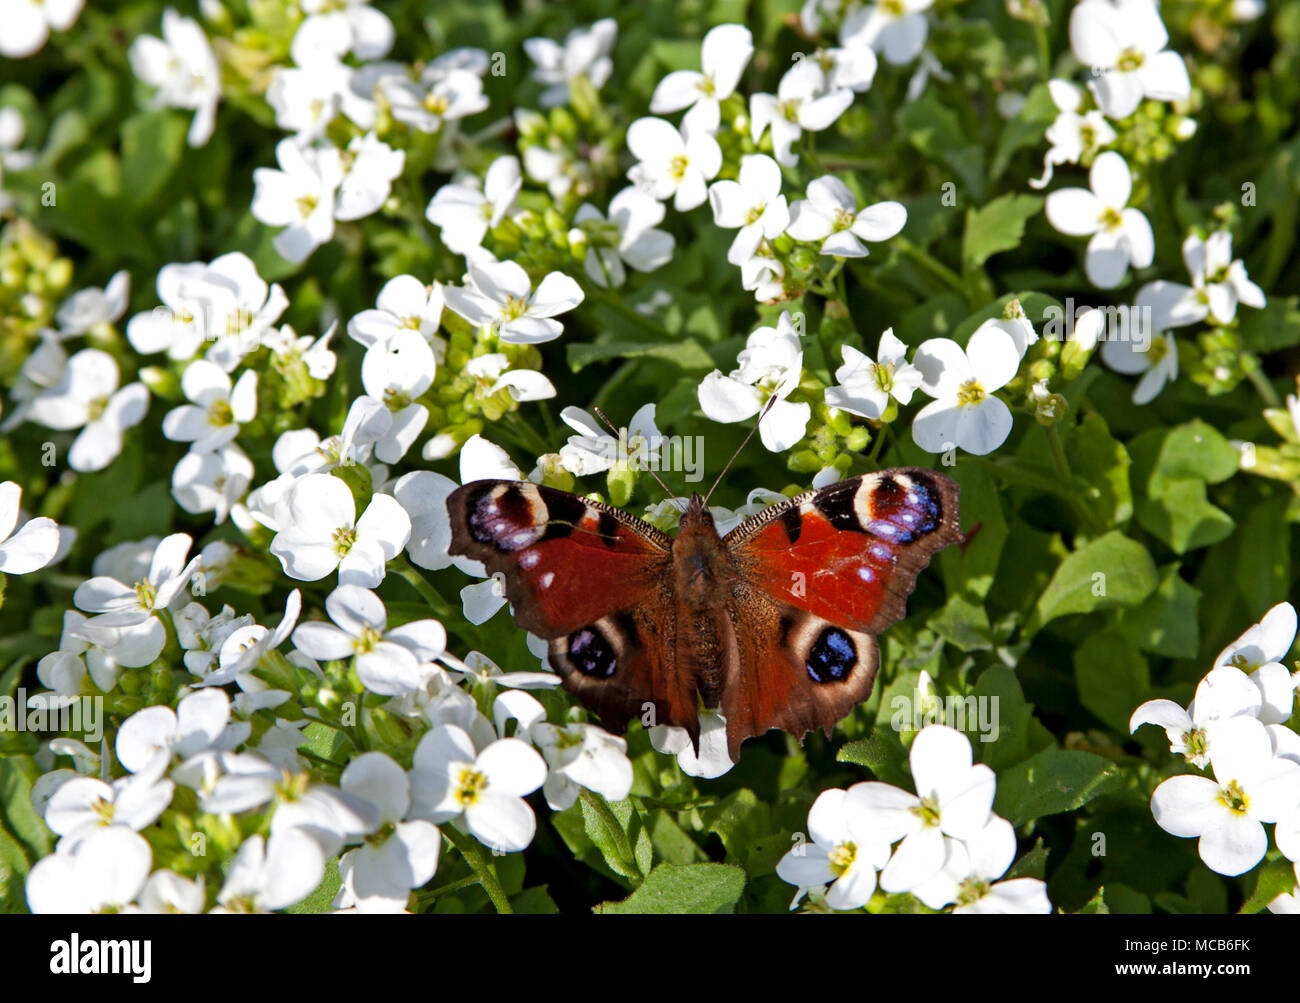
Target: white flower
(465, 215)
(369, 169)
(300, 197)
(593, 450)
(365, 31)
(1120, 236)
(122, 605)
(1250, 787)
(216, 408)
(628, 236)
(103, 873)
(753, 204)
(81, 806)
(87, 397)
(724, 55)
(31, 547)
(897, 28)
(501, 295)
(400, 855)
(1225, 693)
(272, 874)
(224, 301)
(28, 24)
(1158, 363)
(585, 53)
(423, 494)
(830, 215)
(1220, 281)
(307, 97)
(673, 164)
(200, 722)
(395, 374)
(968, 878)
(965, 413)
(1259, 651)
(91, 307)
(324, 533)
(851, 66)
(843, 853)
(450, 780)
(801, 103)
(1072, 134)
(181, 65)
(212, 481)
(167, 893)
(314, 353)
(771, 365)
(404, 303)
(1123, 42)
(864, 387)
(712, 758)
(491, 374)
(388, 662)
(953, 799)
(427, 106)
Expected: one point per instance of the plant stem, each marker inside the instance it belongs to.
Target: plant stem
(1261, 384)
(931, 264)
(473, 854)
(441, 608)
(615, 305)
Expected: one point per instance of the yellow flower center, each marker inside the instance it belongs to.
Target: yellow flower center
(344, 538)
(971, 392)
(841, 858)
(927, 811)
(220, 413)
(1110, 218)
(1234, 797)
(469, 785)
(677, 166)
(1129, 60)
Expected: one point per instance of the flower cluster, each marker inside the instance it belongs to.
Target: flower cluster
(949, 848)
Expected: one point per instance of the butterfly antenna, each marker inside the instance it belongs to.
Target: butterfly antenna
(618, 434)
(770, 402)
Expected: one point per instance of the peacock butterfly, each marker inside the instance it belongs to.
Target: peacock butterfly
(774, 624)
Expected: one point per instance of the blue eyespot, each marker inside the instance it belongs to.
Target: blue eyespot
(591, 653)
(832, 656)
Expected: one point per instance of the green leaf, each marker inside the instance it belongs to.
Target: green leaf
(1054, 781)
(1166, 622)
(999, 689)
(1276, 877)
(153, 143)
(997, 226)
(1112, 677)
(319, 900)
(687, 354)
(1101, 463)
(1110, 571)
(1183, 517)
(1032, 864)
(882, 753)
(619, 836)
(1096, 905)
(683, 888)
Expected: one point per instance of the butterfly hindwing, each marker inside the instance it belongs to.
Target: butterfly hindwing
(850, 552)
(791, 669)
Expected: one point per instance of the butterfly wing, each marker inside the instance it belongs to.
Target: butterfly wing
(593, 581)
(818, 577)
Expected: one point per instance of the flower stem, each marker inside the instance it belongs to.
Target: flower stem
(615, 305)
(442, 609)
(473, 854)
(1262, 386)
(931, 264)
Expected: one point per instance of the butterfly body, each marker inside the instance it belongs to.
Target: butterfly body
(773, 625)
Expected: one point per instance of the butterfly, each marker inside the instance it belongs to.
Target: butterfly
(774, 624)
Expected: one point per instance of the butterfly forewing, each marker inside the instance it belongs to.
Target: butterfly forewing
(850, 552)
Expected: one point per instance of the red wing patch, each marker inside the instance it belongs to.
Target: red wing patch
(567, 561)
(850, 552)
